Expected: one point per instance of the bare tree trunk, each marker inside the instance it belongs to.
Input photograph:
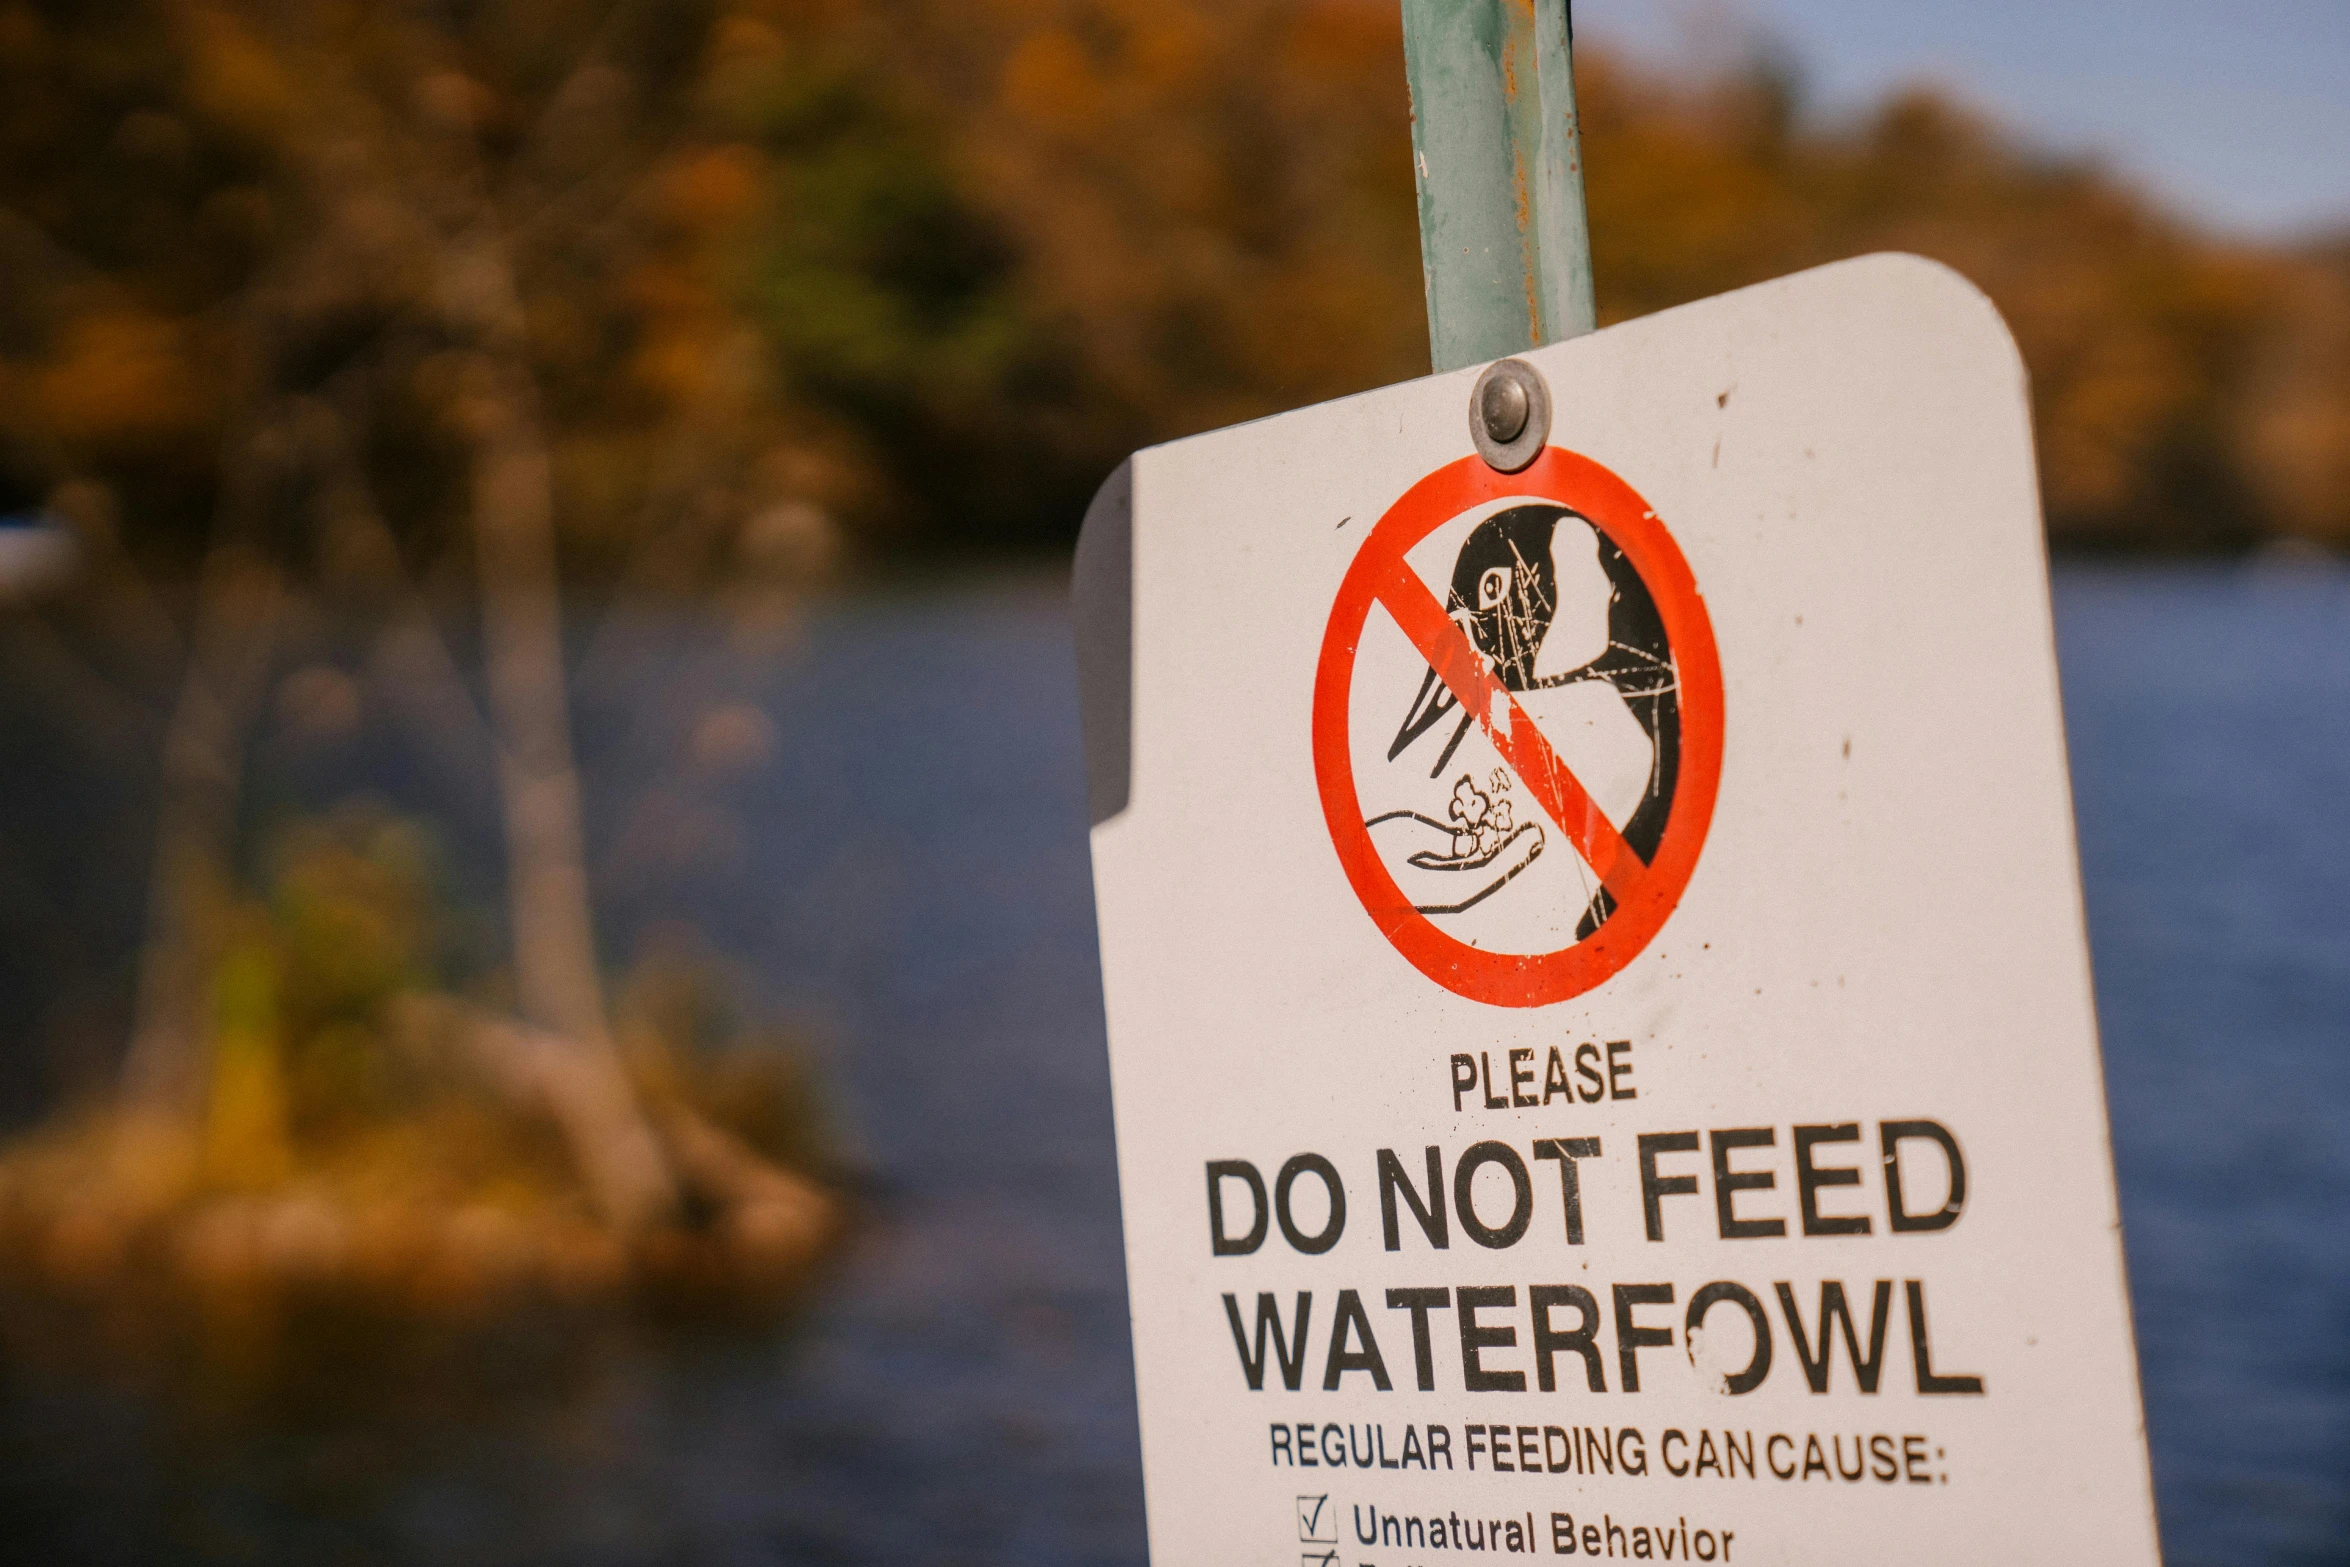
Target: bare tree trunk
(237, 606)
(562, 1062)
(555, 955)
(556, 971)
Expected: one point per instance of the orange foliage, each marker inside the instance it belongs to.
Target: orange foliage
(1213, 198)
(770, 247)
(119, 378)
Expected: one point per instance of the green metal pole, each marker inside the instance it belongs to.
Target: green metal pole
(1504, 244)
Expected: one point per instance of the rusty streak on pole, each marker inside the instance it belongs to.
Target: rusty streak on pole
(1498, 158)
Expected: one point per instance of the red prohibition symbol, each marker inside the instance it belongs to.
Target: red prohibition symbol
(1644, 879)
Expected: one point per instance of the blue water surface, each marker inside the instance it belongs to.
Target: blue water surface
(906, 879)
(2208, 712)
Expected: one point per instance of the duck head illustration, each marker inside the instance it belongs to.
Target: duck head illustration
(1530, 590)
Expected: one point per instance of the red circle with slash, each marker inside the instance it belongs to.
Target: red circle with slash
(1645, 891)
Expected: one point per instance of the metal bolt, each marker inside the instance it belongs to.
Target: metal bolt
(1502, 402)
(1509, 415)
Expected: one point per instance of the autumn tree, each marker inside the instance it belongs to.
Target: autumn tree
(325, 309)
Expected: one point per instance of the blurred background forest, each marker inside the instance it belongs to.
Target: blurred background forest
(884, 280)
(539, 808)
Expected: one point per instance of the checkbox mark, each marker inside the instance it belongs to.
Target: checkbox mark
(1327, 1558)
(1316, 1522)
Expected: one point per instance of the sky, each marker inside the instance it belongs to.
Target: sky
(2235, 113)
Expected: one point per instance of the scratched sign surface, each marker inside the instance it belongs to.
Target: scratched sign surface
(1599, 1021)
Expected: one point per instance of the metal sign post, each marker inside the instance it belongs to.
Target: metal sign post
(1498, 159)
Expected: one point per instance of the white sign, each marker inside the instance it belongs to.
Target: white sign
(1599, 1019)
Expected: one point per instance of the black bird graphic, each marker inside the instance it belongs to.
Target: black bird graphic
(1504, 595)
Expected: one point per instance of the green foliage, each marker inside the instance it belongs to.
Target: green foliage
(353, 907)
(892, 301)
(354, 921)
(682, 1023)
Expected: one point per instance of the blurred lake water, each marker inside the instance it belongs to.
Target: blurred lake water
(907, 877)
